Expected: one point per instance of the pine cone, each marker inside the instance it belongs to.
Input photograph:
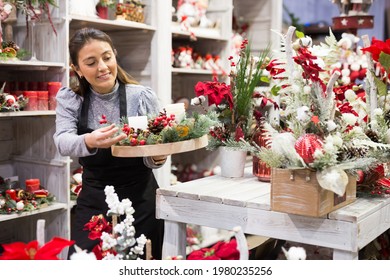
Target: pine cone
(372, 135)
(10, 44)
(352, 153)
(387, 116)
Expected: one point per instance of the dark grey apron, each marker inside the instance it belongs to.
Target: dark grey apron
(130, 178)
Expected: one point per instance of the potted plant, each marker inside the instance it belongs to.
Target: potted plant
(234, 104)
(103, 6)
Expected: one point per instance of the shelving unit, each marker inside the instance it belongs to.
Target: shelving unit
(144, 50)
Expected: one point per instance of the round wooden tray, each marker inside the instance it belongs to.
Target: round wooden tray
(160, 149)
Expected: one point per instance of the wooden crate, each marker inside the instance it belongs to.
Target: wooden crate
(298, 192)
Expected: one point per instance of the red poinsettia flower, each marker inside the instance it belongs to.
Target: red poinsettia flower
(31, 251)
(274, 68)
(220, 251)
(311, 70)
(215, 91)
(227, 250)
(347, 108)
(97, 225)
(378, 46)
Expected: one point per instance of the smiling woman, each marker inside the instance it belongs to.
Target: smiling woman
(104, 88)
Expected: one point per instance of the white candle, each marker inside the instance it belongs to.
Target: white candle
(140, 122)
(177, 109)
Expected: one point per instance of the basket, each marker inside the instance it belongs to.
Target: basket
(131, 10)
(298, 192)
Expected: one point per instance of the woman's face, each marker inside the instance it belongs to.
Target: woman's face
(97, 64)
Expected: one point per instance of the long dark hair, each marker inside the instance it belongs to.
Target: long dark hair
(77, 42)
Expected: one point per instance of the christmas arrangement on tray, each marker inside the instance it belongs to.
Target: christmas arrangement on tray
(171, 131)
(328, 132)
(17, 199)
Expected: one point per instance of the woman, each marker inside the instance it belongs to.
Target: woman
(105, 89)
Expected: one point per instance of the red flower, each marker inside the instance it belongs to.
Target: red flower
(311, 70)
(220, 251)
(347, 108)
(378, 46)
(31, 251)
(215, 91)
(97, 225)
(274, 69)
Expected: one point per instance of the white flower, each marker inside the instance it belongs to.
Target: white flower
(82, 255)
(349, 118)
(303, 114)
(2, 202)
(198, 100)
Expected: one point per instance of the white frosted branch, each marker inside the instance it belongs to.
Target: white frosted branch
(289, 50)
(373, 89)
(330, 93)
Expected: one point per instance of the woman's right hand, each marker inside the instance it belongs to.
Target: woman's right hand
(103, 137)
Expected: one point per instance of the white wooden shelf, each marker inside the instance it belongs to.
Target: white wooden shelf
(200, 33)
(31, 65)
(27, 114)
(49, 208)
(107, 25)
(193, 71)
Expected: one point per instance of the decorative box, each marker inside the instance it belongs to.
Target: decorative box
(160, 149)
(296, 191)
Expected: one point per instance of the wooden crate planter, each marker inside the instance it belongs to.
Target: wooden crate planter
(298, 192)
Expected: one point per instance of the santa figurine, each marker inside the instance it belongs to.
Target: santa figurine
(209, 62)
(5, 11)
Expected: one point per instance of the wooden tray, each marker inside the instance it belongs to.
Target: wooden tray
(160, 149)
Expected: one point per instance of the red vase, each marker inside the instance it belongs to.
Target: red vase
(260, 169)
(102, 11)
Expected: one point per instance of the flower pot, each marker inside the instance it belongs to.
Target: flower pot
(102, 11)
(232, 162)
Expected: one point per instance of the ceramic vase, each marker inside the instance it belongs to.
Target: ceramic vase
(232, 162)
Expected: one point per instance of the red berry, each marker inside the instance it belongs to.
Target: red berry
(142, 142)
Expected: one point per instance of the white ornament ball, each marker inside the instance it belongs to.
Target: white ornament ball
(20, 205)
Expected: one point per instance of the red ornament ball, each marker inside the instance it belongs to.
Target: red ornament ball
(306, 145)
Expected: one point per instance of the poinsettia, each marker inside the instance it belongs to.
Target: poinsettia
(96, 226)
(32, 250)
(220, 251)
(217, 92)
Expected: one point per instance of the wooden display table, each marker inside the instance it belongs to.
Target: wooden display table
(224, 203)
